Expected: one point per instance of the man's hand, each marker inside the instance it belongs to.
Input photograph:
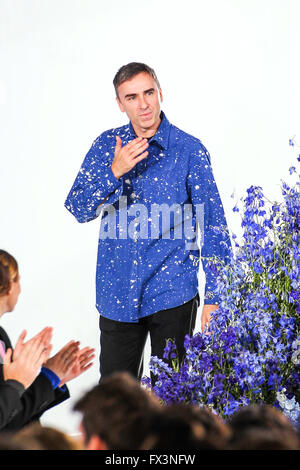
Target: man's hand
(27, 366)
(206, 315)
(127, 157)
(83, 363)
(63, 361)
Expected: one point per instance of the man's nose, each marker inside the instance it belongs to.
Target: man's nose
(143, 104)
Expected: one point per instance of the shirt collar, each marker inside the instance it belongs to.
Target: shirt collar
(161, 137)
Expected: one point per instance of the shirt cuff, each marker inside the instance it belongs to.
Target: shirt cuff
(54, 379)
(210, 298)
(111, 182)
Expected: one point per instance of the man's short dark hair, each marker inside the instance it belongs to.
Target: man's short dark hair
(186, 426)
(131, 70)
(110, 409)
(262, 426)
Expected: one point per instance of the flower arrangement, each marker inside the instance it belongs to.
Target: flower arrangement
(250, 350)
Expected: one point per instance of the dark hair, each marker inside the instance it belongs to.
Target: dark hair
(251, 422)
(265, 439)
(170, 432)
(131, 70)
(185, 426)
(109, 409)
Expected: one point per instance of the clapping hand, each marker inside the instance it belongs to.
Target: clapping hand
(83, 363)
(27, 364)
(44, 335)
(63, 361)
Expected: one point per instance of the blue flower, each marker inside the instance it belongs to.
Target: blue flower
(249, 352)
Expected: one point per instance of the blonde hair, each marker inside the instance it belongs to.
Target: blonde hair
(9, 272)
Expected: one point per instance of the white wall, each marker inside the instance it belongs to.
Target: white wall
(230, 74)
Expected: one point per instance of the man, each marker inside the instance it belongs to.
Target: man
(146, 279)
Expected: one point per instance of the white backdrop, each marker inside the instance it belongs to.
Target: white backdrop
(230, 75)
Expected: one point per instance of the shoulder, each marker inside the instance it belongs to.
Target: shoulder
(109, 136)
(190, 144)
(5, 338)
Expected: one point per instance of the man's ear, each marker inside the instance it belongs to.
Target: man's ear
(96, 443)
(161, 95)
(120, 105)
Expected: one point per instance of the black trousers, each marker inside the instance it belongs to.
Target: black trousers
(122, 343)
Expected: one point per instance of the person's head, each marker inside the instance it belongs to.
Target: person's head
(184, 426)
(262, 427)
(10, 287)
(264, 439)
(209, 428)
(169, 432)
(139, 95)
(37, 437)
(109, 410)
(8, 442)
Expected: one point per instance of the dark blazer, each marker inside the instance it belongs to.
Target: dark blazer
(36, 399)
(10, 401)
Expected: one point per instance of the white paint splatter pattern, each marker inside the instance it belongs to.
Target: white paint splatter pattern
(138, 276)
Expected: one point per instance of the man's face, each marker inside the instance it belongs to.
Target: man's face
(140, 99)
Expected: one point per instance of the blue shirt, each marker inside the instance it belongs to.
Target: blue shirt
(147, 263)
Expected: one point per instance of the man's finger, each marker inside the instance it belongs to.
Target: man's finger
(32, 349)
(47, 336)
(20, 340)
(45, 353)
(141, 157)
(133, 142)
(85, 359)
(83, 369)
(139, 147)
(22, 336)
(71, 350)
(118, 142)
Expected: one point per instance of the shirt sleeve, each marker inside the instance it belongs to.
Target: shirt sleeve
(54, 379)
(207, 204)
(94, 184)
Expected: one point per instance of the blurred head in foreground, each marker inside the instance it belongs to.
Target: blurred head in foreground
(114, 413)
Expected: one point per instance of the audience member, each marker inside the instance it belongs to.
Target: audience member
(184, 426)
(262, 427)
(7, 442)
(19, 374)
(114, 413)
(37, 437)
(48, 389)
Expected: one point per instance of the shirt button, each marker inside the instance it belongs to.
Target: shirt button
(140, 176)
